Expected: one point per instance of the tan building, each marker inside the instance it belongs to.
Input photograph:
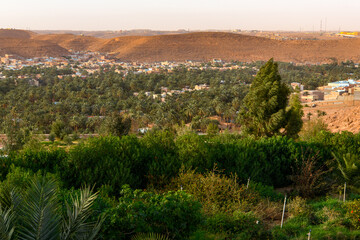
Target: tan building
(202, 87)
(313, 95)
(298, 86)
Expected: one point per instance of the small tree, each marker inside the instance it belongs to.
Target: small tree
(59, 129)
(264, 111)
(16, 134)
(295, 114)
(117, 125)
(212, 129)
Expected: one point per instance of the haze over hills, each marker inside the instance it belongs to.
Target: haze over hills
(202, 46)
(112, 34)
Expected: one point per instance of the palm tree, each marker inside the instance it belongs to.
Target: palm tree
(35, 214)
(348, 166)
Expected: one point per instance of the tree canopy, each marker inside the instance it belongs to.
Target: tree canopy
(264, 110)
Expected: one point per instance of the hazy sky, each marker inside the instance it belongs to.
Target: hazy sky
(180, 14)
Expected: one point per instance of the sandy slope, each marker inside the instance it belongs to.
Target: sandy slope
(179, 47)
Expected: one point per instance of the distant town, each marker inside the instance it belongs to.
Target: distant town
(84, 63)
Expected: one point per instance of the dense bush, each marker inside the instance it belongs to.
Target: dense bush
(45, 161)
(353, 213)
(175, 214)
(111, 161)
(41, 160)
(266, 191)
(240, 225)
(219, 198)
(162, 157)
(216, 192)
(157, 157)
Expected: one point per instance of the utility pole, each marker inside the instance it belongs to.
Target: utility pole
(325, 24)
(320, 25)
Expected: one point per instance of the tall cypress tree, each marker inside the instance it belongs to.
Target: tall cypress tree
(264, 111)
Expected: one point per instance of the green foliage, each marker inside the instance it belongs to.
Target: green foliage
(309, 175)
(109, 161)
(348, 168)
(116, 125)
(60, 129)
(312, 129)
(353, 212)
(264, 110)
(162, 157)
(216, 192)
(152, 161)
(298, 207)
(52, 137)
(16, 133)
(212, 129)
(295, 114)
(240, 225)
(266, 191)
(46, 161)
(81, 102)
(149, 236)
(68, 140)
(174, 214)
(193, 152)
(34, 213)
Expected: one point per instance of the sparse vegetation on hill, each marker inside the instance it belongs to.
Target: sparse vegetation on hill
(180, 47)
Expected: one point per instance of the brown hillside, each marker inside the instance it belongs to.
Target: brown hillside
(29, 48)
(227, 46)
(193, 46)
(338, 118)
(13, 33)
(70, 41)
(190, 46)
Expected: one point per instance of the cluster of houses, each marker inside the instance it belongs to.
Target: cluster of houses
(84, 63)
(334, 91)
(168, 92)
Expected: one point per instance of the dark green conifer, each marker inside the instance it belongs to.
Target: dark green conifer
(265, 112)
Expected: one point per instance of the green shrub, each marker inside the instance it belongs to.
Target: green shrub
(174, 214)
(68, 140)
(353, 213)
(53, 160)
(162, 157)
(52, 137)
(266, 191)
(193, 152)
(216, 192)
(298, 207)
(109, 161)
(240, 225)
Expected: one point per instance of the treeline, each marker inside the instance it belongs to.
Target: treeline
(196, 184)
(80, 103)
(157, 157)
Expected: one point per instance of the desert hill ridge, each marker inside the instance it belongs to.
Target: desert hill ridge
(202, 46)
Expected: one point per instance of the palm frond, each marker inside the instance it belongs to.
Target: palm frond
(7, 227)
(75, 225)
(149, 236)
(9, 198)
(39, 211)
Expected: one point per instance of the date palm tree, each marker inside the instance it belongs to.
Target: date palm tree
(36, 214)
